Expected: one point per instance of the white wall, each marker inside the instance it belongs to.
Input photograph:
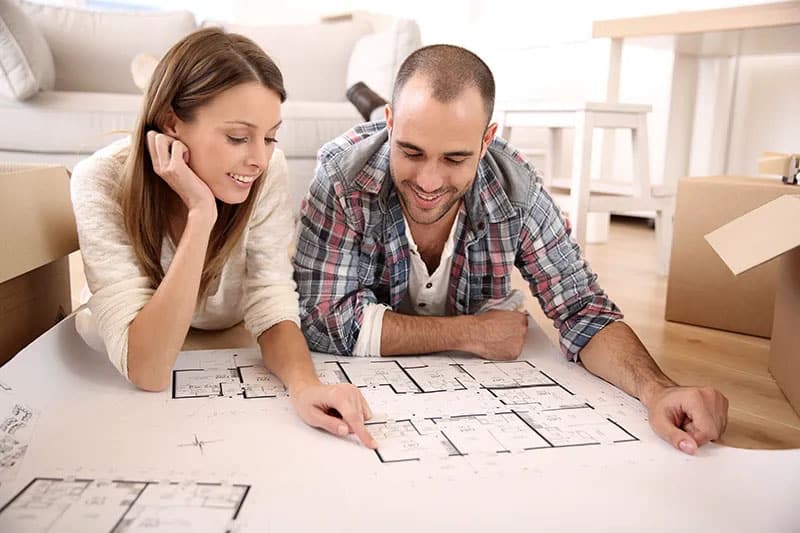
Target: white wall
(767, 110)
(544, 51)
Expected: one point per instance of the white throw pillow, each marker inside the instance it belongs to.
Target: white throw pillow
(312, 57)
(377, 57)
(93, 50)
(26, 64)
(142, 68)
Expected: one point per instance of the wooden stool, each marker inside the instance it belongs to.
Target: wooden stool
(580, 195)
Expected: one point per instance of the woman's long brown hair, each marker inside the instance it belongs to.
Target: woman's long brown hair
(194, 71)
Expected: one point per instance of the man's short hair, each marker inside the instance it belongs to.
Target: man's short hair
(449, 70)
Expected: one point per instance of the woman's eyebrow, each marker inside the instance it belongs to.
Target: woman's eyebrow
(251, 125)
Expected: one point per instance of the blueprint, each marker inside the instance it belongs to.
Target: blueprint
(464, 445)
(88, 505)
(16, 428)
(436, 407)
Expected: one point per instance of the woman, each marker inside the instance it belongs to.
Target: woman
(187, 224)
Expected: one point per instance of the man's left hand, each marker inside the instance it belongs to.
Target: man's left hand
(688, 417)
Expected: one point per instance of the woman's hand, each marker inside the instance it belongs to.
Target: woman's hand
(170, 159)
(338, 409)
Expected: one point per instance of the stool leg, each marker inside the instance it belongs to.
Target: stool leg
(641, 159)
(581, 173)
(664, 225)
(554, 154)
(504, 127)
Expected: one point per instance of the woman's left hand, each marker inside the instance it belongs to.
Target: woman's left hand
(338, 409)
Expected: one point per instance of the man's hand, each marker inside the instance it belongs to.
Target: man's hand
(338, 409)
(498, 335)
(688, 417)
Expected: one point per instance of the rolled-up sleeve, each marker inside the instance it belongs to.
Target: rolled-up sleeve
(326, 265)
(270, 290)
(560, 278)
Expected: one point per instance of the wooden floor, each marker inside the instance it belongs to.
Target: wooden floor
(760, 416)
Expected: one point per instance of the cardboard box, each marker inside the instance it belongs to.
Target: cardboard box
(37, 232)
(769, 232)
(701, 290)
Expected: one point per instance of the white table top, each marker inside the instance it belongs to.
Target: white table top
(743, 30)
(276, 474)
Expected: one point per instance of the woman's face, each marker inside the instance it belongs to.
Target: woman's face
(231, 139)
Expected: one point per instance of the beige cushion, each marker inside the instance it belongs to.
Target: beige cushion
(377, 57)
(26, 64)
(77, 122)
(93, 50)
(309, 125)
(66, 122)
(312, 57)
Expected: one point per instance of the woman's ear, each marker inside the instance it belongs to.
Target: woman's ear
(170, 124)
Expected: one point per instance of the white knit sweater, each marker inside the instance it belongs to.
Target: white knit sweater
(255, 285)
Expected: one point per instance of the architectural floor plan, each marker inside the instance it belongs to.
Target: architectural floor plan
(88, 506)
(233, 374)
(431, 407)
(464, 445)
(16, 421)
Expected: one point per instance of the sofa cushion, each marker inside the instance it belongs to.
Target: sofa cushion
(66, 122)
(73, 122)
(312, 57)
(26, 64)
(93, 50)
(377, 57)
(308, 125)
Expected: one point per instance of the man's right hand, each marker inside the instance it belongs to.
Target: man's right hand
(498, 335)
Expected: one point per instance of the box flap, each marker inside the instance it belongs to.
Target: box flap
(37, 225)
(758, 236)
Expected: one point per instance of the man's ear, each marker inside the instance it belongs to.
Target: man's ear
(387, 113)
(488, 137)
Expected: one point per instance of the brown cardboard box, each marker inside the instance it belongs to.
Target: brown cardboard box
(759, 236)
(701, 290)
(37, 232)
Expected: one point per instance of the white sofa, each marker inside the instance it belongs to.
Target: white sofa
(85, 97)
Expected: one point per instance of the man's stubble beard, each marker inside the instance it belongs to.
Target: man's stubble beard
(408, 206)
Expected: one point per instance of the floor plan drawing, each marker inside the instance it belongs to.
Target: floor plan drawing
(106, 506)
(243, 374)
(16, 420)
(464, 445)
(434, 407)
(492, 408)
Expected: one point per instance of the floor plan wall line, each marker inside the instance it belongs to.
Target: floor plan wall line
(108, 506)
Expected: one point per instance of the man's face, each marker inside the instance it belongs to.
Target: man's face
(435, 148)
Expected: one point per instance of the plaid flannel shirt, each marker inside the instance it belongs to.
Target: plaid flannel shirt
(352, 250)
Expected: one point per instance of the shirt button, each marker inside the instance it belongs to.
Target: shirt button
(421, 304)
(428, 285)
(481, 225)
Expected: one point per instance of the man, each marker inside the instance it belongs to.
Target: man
(411, 229)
